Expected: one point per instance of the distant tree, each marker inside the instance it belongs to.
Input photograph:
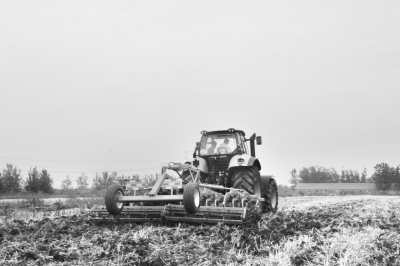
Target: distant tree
(39, 181)
(32, 183)
(318, 174)
(46, 182)
(294, 177)
(11, 179)
(363, 178)
(351, 176)
(82, 182)
(396, 176)
(104, 181)
(354, 176)
(342, 176)
(66, 184)
(384, 176)
(2, 187)
(334, 176)
(348, 176)
(305, 175)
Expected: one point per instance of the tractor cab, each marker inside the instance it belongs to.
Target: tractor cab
(219, 143)
(220, 152)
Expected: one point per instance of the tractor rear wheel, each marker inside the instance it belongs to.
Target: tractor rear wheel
(247, 178)
(113, 206)
(191, 197)
(271, 196)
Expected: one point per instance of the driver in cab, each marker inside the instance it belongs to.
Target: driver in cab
(224, 147)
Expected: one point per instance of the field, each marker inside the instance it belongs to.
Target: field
(347, 230)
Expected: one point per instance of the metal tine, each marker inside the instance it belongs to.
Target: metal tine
(216, 200)
(233, 202)
(207, 200)
(243, 201)
(225, 198)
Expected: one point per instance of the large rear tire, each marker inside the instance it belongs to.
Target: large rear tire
(249, 179)
(271, 196)
(113, 206)
(246, 178)
(191, 198)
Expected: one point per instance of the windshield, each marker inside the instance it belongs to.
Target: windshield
(218, 144)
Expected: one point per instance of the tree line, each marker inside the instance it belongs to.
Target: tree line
(320, 174)
(11, 181)
(384, 176)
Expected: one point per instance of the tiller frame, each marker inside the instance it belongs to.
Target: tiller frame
(230, 208)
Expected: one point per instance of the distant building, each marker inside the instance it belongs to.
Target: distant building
(335, 186)
(369, 188)
(343, 188)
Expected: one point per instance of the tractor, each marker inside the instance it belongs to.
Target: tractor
(220, 184)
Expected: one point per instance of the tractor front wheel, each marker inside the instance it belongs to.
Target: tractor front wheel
(191, 198)
(113, 206)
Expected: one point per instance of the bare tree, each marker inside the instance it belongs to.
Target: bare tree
(82, 182)
(66, 184)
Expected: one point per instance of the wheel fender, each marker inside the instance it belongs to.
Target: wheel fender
(265, 181)
(202, 164)
(244, 160)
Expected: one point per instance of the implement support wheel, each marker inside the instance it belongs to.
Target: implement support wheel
(191, 198)
(113, 206)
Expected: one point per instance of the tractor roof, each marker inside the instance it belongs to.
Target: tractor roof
(228, 131)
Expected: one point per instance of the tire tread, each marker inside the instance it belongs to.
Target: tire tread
(110, 201)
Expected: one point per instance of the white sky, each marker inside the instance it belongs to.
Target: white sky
(92, 86)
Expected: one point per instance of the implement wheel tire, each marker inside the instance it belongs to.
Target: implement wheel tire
(191, 198)
(113, 206)
(246, 178)
(271, 196)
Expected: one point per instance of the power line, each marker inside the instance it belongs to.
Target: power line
(65, 168)
(40, 150)
(24, 159)
(95, 171)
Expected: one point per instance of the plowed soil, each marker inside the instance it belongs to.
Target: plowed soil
(351, 230)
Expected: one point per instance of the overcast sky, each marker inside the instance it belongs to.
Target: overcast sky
(92, 86)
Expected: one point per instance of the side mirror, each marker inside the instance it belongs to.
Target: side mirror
(196, 149)
(258, 140)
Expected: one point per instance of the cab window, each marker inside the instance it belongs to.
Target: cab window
(244, 144)
(216, 144)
